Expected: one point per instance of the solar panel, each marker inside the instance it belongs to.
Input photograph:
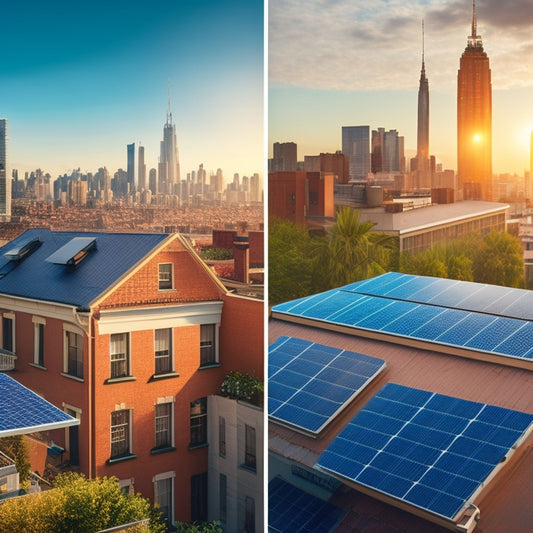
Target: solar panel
(422, 312)
(309, 384)
(22, 411)
(72, 252)
(292, 510)
(426, 449)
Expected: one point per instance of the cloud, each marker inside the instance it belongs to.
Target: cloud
(376, 44)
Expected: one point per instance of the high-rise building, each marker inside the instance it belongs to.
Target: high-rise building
(387, 151)
(130, 170)
(474, 119)
(168, 160)
(5, 178)
(356, 145)
(284, 157)
(141, 169)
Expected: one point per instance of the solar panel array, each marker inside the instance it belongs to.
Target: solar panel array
(309, 384)
(291, 510)
(23, 411)
(453, 313)
(425, 449)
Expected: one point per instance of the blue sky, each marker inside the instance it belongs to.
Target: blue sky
(79, 81)
(336, 63)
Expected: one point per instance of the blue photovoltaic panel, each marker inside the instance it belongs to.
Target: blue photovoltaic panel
(67, 253)
(309, 384)
(22, 411)
(292, 510)
(369, 305)
(427, 449)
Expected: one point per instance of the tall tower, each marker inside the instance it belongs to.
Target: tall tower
(141, 169)
(474, 119)
(356, 145)
(131, 167)
(168, 159)
(5, 178)
(422, 170)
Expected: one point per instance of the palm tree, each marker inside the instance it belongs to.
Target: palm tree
(350, 251)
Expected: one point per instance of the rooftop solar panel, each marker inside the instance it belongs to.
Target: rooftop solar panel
(22, 411)
(309, 384)
(292, 510)
(70, 252)
(425, 449)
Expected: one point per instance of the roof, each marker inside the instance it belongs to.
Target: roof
(429, 216)
(22, 411)
(503, 503)
(35, 276)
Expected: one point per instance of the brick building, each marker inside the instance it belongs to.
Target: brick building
(130, 334)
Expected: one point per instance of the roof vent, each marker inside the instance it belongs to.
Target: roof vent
(23, 250)
(72, 253)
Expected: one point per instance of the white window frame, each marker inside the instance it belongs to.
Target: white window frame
(127, 357)
(127, 485)
(10, 316)
(165, 401)
(164, 477)
(162, 277)
(170, 351)
(38, 339)
(129, 436)
(67, 328)
(215, 361)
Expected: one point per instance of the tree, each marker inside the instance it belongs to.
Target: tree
(77, 505)
(15, 447)
(289, 261)
(350, 252)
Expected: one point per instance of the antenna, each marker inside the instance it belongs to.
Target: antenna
(474, 21)
(422, 41)
(169, 114)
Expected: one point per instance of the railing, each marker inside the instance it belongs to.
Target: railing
(7, 360)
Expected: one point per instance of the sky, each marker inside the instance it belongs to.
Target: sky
(81, 80)
(334, 63)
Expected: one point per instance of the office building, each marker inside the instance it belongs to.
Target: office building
(5, 178)
(141, 170)
(130, 169)
(284, 157)
(169, 166)
(337, 164)
(387, 152)
(474, 119)
(356, 146)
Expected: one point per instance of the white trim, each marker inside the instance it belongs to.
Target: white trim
(11, 316)
(168, 316)
(172, 286)
(37, 322)
(78, 331)
(164, 475)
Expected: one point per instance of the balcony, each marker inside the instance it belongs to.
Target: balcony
(7, 360)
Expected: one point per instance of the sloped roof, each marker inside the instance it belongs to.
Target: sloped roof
(34, 277)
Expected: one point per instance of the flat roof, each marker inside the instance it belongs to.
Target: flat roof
(428, 216)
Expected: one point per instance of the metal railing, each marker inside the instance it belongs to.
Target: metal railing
(7, 360)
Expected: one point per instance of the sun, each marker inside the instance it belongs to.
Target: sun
(477, 138)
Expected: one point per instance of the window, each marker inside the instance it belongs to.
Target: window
(207, 344)
(8, 333)
(163, 425)
(222, 436)
(223, 496)
(165, 276)
(120, 433)
(119, 355)
(38, 340)
(249, 451)
(164, 497)
(74, 352)
(249, 516)
(199, 422)
(163, 350)
(199, 498)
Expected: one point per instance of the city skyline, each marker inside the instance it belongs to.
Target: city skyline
(346, 64)
(79, 84)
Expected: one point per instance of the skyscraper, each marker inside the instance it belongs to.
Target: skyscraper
(169, 166)
(474, 119)
(387, 151)
(131, 167)
(422, 174)
(5, 178)
(356, 145)
(141, 172)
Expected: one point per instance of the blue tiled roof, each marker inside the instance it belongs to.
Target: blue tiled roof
(23, 411)
(34, 277)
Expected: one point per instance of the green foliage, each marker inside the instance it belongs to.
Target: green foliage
(350, 252)
(216, 254)
(204, 527)
(289, 261)
(15, 448)
(241, 386)
(495, 259)
(76, 505)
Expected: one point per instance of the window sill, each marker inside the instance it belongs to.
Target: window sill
(167, 290)
(121, 458)
(196, 446)
(123, 379)
(209, 365)
(155, 451)
(251, 469)
(70, 376)
(167, 375)
(37, 365)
